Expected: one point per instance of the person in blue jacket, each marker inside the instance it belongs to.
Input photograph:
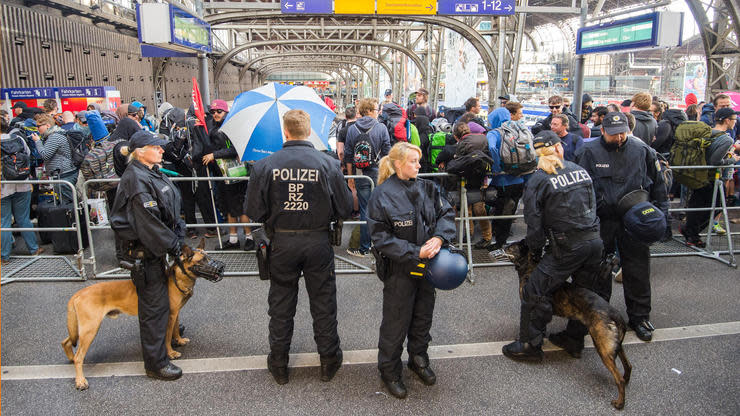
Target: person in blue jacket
(509, 188)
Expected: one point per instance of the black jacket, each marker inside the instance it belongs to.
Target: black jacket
(298, 188)
(617, 171)
(573, 126)
(147, 210)
(219, 142)
(125, 129)
(563, 202)
(666, 134)
(645, 126)
(403, 215)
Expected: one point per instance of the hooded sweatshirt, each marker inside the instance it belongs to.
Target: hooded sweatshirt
(665, 135)
(379, 140)
(54, 148)
(497, 118)
(645, 126)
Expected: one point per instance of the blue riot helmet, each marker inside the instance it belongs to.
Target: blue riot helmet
(642, 220)
(447, 270)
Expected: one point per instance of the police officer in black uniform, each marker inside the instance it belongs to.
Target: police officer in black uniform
(409, 221)
(146, 218)
(296, 193)
(559, 208)
(619, 164)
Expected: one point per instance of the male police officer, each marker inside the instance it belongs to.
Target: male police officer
(620, 164)
(559, 206)
(296, 192)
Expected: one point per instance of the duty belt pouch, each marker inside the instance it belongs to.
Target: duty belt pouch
(382, 264)
(335, 232)
(263, 259)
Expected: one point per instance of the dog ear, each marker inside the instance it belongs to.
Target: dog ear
(187, 251)
(202, 244)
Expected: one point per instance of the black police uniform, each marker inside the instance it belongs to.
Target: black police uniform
(146, 217)
(561, 208)
(616, 171)
(402, 216)
(296, 192)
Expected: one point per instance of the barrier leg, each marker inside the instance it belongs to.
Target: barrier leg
(465, 216)
(215, 213)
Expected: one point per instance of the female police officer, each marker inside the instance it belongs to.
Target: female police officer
(146, 217)
(559, 206)
(409, 221)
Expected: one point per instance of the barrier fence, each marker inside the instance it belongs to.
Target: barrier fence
(464, 233)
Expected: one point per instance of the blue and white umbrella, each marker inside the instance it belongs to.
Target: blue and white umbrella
(255, 123)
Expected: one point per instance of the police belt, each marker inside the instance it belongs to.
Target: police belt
(577, 235)
(303, 231)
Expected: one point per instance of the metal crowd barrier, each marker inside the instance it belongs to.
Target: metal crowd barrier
(464, 232)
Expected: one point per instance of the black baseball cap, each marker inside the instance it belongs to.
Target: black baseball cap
(615, 123)
(545, 138)
(144, 138)
(506, 97)
(724, 113)
(626, 103)
(19, 104)
(388, 92)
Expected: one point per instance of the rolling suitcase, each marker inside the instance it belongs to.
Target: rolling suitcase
(53, 213)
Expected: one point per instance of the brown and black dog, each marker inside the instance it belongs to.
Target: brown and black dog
(605, 324)
(87, 308)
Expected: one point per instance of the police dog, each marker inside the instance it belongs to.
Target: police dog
(87, 308)
(604, 323)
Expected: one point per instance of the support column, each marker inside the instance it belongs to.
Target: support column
(501, 59)
(427, 81)
(580, 64)
(203, 84)
(518, 48)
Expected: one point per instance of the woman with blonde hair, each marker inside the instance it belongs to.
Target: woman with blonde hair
(559, 207)
(409, 221)
(146, 218)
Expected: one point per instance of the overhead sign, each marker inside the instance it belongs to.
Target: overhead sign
(354, 6)
(27, 93)
(169, 27)
(407, 7)
(650, 31)
(190, 31)
(477, 7)
(306, 6)
(65, 92)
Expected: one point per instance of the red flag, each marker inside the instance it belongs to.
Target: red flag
(198, 106)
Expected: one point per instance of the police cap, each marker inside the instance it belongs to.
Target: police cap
(545, 138)
(615, 123)
(144, 138)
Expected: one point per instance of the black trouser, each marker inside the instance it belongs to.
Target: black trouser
(154, 310)
(635, 261)
(697, 221)
(311, 253)
(201, 196)
(408, 306)
(581, 261)
(110, 195)
(507, 199)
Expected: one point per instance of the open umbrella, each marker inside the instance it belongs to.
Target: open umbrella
(255, 123)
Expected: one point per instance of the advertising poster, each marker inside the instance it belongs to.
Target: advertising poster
(461, 67)
(695, 79)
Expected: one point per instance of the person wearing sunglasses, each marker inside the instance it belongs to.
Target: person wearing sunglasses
(557, 106)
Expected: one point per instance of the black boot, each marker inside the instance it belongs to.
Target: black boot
(279, 373)
(523, 351)
(420, 366)
(643, 330)
(330, 367)
(396, 388)
(169, 372)
(571, 345)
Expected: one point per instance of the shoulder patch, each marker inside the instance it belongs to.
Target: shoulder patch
(150, 204)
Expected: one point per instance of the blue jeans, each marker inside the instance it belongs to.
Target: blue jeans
(17, 205)
(64, 191)
(363, 196)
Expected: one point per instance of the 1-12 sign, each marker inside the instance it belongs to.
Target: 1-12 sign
(476, 7)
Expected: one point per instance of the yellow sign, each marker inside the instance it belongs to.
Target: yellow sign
(354, 6)
(407, 7)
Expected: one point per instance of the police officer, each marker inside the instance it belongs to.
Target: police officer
(559, 206)
(409, 222)
(296, 192)
(621, 163)
(146, 217)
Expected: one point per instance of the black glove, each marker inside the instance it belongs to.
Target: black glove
(175, 251)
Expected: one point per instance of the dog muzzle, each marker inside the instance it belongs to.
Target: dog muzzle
(213, 270)
(499, 255)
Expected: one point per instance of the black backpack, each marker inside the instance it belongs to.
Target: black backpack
(364, 154)
(15, 160)
(472, 158)
(79, 146)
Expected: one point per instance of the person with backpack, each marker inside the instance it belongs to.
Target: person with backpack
(556, 107)
(509, 184)
(645, 125)
(367, 141)
(717, 152)
(55, 149)
(421, 100)
(16, 198)
(472, 105)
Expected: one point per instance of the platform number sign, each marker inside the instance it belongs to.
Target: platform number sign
(478, 7)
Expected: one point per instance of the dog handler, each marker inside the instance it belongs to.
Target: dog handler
(559, 208)
(296, 192)
(146, 217)
(409, 221)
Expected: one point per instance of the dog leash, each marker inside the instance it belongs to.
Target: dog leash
(179, 263)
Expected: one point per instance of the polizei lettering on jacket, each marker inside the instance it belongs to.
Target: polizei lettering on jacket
(295, 200)
(569, 178)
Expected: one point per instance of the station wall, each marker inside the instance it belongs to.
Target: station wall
(42, 48)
